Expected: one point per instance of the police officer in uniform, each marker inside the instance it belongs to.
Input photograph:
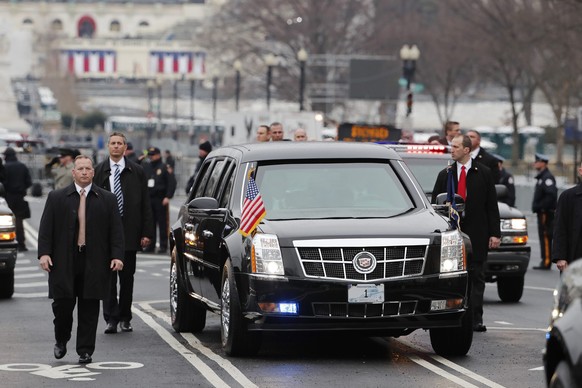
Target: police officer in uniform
(544, 204)
(161, 186)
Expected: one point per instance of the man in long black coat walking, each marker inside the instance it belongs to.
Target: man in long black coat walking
(16, 182)
(79, 259)
(567, 242)
(480, 219)
(138, 227)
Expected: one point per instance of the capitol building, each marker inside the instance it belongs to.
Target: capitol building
(102, 38)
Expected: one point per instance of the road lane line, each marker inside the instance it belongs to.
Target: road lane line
(29, 275)
(33, 284)
(441, 372)
(20, 268)
(196, 344)
(31, 235)
(451, 364)
(539, 288)
(466, 372)
(194, 360)
(31, 295)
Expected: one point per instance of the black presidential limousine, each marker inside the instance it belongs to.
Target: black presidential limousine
(347, 242)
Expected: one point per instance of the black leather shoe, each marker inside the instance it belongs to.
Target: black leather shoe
(541, 267)
(60, 350)
(85, 358)
(125, 326)
(111, 328)
(480, 328)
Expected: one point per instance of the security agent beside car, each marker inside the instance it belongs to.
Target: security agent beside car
(161, 184)
(567, 241)
(544, 205)
(480, 220)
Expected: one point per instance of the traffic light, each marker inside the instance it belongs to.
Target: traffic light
(409, 103)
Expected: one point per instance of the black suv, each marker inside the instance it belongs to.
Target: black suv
(505, 265)
(8, 247)
(349, 242)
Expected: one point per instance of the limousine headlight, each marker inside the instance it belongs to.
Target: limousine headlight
(452, 251)
(266, 255)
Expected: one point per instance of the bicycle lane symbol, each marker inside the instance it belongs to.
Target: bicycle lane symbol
(70, 372)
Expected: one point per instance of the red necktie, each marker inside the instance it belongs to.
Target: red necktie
(462, 186)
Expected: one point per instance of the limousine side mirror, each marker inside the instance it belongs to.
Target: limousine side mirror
(442, 206)
(203, 203)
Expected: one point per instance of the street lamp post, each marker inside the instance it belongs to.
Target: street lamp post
(237, 67)
(192, 95)
(302, 57)
(175, 126)
(409, 56)
(150, 85)
(271, 61)
(214, 100)
(159, 83)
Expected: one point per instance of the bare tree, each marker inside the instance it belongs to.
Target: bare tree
(251, 29)
(502, 30)
(557, 63)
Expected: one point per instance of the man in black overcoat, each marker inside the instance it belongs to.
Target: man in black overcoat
(138, 227)
(79, 267)
(480, 155)
(567, 242)
(16, 182)
(480, 220)
(161, 186)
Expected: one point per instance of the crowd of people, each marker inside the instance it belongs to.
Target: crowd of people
(275, 132)
(98, 218)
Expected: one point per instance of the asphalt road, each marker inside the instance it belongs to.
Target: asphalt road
(509, 354)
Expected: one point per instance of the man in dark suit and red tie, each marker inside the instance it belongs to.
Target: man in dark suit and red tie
(480, 220)
(80, 241)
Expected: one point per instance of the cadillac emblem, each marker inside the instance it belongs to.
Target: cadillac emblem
(364, 262)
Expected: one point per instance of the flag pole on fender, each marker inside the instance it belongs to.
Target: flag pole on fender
(253, 210)
(453, 213)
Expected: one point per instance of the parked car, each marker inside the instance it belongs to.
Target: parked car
(349, 242)
(505, 265)
(8, 247)
(563, 352)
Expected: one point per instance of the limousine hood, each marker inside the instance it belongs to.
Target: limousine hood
(418, 224)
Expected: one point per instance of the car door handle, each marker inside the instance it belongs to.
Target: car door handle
(207, 234)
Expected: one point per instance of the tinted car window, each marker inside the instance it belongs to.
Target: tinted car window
(426, 171)
(332, 190)
(229, 181)
(210, 190)
(201, 180)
